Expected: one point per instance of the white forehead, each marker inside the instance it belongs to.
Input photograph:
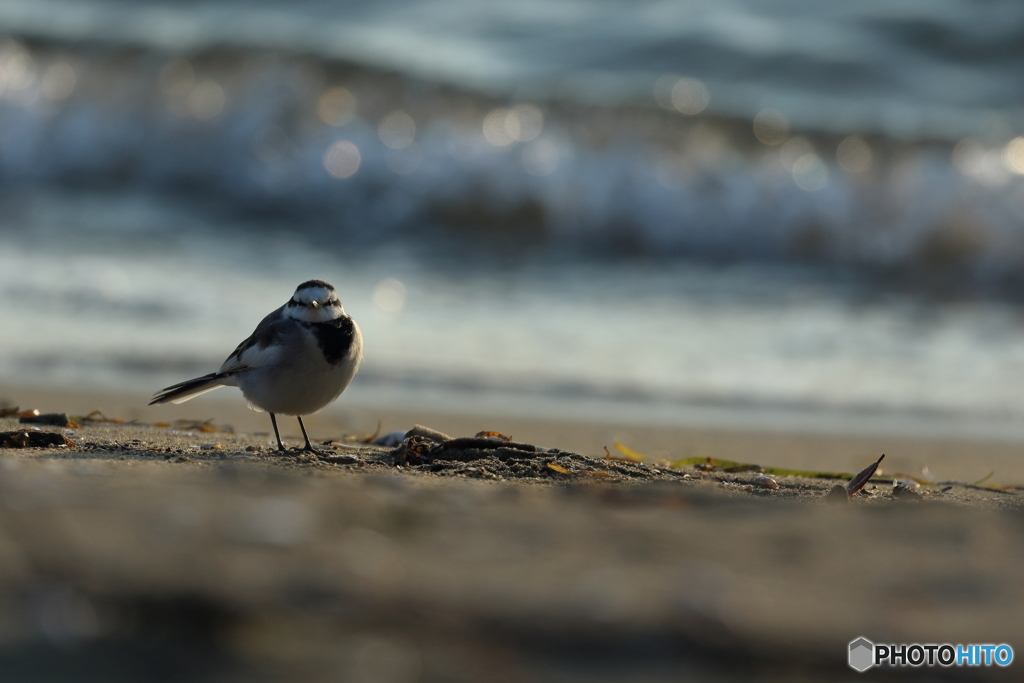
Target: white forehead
(308, 294)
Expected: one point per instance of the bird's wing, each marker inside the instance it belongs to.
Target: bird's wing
(263, 345)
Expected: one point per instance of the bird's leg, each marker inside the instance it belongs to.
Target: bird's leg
(280, 445)
(309, 447)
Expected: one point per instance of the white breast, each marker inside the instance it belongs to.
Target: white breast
(300, 381)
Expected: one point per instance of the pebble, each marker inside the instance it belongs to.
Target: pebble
(838, 494)
(903, 492)
(765, 481)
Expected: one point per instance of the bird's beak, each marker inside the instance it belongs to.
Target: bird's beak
(314, 304)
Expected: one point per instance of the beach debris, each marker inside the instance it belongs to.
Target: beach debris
(425, 446)
(211, 446)
(743, 467)
(412, 451)
(427, 433)
(9, 411)
(493, 435)
(901, 491)
(416, 444)
(473, 443)
(837, 494)
(764, 481)
(862, 477)
(985, 478)
(557, 468)
(55, 419)
(631, 455)
(390, 440)
(598, 473)
(204, 426)
(369, 438)
(33, 438)
(374, 439)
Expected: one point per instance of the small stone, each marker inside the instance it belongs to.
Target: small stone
(210, 446)
(837, 494)
(902, 492)
(764, 481)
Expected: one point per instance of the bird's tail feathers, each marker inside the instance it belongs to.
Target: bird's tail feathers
(183, 391)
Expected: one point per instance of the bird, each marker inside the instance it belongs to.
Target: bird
(299, 359)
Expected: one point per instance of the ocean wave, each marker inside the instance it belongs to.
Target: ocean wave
(345, 154)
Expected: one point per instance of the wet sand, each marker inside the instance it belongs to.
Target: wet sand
(138, 554)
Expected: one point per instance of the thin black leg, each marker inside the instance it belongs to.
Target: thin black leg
(309, 446)
(280, 445)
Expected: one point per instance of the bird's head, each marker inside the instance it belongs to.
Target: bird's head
(314, 301)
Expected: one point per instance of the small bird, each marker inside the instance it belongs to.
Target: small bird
(297, 361)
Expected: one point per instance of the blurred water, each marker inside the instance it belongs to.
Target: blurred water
(928, 67)
(862, 135)
(108, 305)
(648, 204)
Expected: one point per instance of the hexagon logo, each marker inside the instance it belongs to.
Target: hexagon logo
(862, 654)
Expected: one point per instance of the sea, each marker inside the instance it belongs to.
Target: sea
(770, 215)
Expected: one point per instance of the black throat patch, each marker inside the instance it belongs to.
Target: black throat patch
(335, 338)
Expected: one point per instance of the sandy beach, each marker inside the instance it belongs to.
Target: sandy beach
(207, 555)
(937, 458)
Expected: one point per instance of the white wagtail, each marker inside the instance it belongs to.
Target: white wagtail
(297, 361)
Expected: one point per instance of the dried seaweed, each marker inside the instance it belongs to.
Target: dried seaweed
(631, 455)
(34, 439)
